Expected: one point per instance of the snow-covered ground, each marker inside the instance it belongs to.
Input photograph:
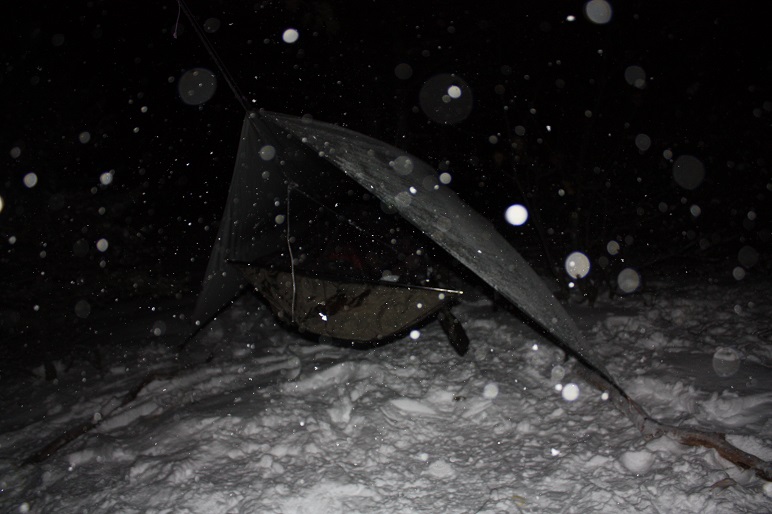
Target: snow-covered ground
(275, 424)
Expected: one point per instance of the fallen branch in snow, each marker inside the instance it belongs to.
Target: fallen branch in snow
(651, 428)
(86, 426)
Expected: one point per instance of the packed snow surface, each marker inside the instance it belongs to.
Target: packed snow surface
(277, 424)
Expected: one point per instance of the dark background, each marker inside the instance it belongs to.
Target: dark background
(90, 88)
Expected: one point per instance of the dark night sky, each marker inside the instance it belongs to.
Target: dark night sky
(92, 87)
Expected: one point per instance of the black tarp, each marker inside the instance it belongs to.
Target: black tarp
(278, 151)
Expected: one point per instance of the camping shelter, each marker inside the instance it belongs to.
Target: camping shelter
(278, 152)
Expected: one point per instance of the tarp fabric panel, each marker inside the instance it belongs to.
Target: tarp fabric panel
(257, 181)
(411, 186)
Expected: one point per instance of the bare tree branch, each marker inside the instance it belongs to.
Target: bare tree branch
(651, 428)
(86, 426)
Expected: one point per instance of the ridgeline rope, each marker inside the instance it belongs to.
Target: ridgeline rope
(212, 53)
(290, 187)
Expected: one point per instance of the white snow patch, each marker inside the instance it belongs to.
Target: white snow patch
(413, 407)
(441, 469)
(637, 462)
(330, 498)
